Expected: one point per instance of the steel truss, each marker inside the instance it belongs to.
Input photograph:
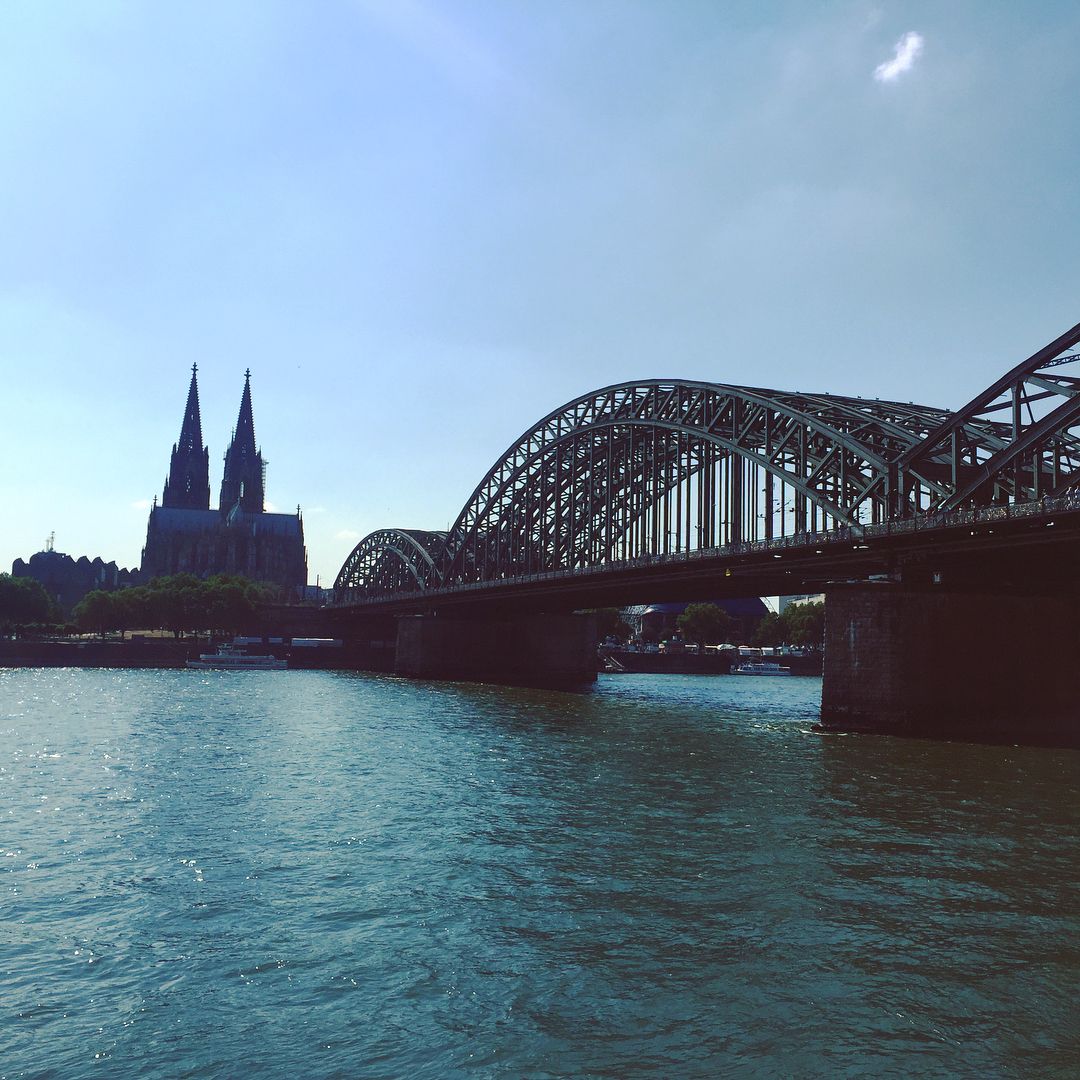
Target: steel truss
(1034, 412)
(655, 467)
(663, 467)
(393, 561)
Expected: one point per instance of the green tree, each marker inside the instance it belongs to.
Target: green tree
(187, 609)
(770, 631)
(230, 604)
(138, 608)
(22, 601)
(183, 603)
(610, 623)
(97, 611)
(173, 602)
(805, 625)
(706, 624)
(133, 609)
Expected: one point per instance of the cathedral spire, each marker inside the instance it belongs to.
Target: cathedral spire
(191, 429)
(243, 480)
(244, 436)
(188, 485)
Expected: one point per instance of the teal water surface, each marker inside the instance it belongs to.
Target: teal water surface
(284, 874)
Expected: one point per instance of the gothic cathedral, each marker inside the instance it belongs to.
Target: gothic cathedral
(185, 536)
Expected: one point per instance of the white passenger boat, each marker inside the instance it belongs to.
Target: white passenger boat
(760, 667)
(231, 657)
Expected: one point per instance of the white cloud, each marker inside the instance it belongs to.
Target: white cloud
(141, 504)
(347, 534)
(907, 52)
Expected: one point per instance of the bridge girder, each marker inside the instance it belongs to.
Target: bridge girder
(655, 467)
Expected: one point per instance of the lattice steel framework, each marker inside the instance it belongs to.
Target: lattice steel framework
(1031, 451)
(656, 468)
(393, 561)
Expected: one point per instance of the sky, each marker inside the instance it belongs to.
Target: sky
(425, 225)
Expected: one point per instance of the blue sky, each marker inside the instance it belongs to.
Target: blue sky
(425, 225)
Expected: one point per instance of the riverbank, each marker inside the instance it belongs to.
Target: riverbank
(91, 652)
(620, 661)
(166, 652)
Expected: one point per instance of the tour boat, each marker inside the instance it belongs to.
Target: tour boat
(231, 657)
(760, 667)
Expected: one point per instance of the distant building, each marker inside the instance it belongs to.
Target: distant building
(184, 535)
(661, 620)
(68, 580)
(799, 599)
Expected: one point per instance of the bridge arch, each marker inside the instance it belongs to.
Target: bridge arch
(1033, 415)
(656, 467)
(392, 561)
(660, 467)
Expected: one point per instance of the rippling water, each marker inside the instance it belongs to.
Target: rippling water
(325, 874)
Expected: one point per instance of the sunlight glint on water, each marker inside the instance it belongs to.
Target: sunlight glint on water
(310, 873)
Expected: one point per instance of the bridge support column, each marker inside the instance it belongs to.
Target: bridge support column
(987, 668)
(533, 650)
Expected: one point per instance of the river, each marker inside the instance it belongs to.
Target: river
(283, 874)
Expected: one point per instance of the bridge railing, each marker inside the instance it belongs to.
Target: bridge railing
(857, 535)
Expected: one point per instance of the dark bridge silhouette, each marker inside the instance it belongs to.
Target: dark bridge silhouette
(635, 477)
(661, 489)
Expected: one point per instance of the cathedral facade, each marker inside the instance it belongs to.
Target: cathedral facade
(184, 535)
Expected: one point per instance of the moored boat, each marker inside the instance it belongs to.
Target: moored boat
(760, 667)
(230, 657)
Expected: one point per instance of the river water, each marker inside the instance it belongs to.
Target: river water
(283, 874)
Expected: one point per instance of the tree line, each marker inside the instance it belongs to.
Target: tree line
(802, 625)
(799, 624)
(180, 603)
(709, 624)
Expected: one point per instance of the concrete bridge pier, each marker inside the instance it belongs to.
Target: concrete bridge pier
(951, 664)
(557, 651)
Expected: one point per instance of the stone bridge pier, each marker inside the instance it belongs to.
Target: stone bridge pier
(970, 665)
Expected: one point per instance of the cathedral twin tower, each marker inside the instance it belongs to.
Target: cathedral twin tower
(185, 536)
(188, 485)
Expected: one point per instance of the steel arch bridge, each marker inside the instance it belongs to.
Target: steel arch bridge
(662, 467)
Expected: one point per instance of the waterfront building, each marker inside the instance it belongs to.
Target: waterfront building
(799, 599)
(68, 580)
(184, 535)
